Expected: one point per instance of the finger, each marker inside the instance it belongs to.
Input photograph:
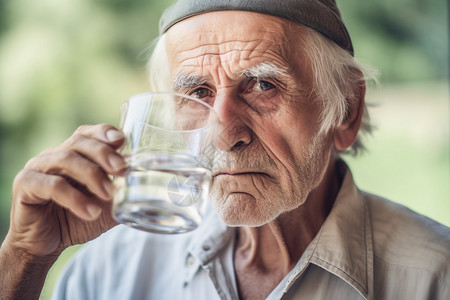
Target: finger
(35, 188)
(97, 151)
(103, 132)
(71, 164)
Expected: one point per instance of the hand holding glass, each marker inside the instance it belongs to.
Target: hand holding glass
(170, 149)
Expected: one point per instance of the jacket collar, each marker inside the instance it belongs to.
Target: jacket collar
(343, 246)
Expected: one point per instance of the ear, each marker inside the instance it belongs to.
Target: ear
(345, 134)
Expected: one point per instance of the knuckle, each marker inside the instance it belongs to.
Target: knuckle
(67, 155)
(104, 150)
(97, 131)
(35, 162)
(56, 182)
(21, 178)
(82, 130)
(74, 140)
(32, 162)
(48, 151)
(93, 172)
(91, 130)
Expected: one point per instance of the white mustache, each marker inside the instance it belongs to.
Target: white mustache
(245, 160)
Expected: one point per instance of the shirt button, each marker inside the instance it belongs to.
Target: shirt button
(206, 247)
(190, 260)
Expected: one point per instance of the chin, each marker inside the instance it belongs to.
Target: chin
(241, 209)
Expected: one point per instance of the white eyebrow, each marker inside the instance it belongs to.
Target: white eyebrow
(264, 70)
(185, 81)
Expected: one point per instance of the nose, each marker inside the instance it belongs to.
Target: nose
(233, 132)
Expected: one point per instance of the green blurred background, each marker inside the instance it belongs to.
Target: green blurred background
(67, 63)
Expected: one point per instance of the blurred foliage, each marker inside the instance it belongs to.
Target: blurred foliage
(406, 39)
(67, 63)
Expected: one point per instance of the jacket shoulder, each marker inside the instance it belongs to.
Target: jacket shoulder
(408, 244)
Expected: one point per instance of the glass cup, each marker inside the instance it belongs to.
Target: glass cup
(169, 148)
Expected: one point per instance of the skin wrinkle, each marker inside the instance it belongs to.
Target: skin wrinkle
(69, 234)
(256, 185)
(277, 160)
(223, 53)
(284, 144)
(258, 52)
(207, 47)
(261, 162)
(273, 156)
(263, 184)
(276, 229)
(186, 63)
(330, 61)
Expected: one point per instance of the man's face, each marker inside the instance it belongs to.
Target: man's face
(250, 68)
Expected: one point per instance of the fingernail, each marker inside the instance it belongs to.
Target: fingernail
(114, 135)
(93, 210)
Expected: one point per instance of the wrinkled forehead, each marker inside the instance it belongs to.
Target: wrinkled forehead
(241, 39)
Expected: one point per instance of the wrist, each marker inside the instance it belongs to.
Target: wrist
(21, 256)
(30, 249)
(22, 275)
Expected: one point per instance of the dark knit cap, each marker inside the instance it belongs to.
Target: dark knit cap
(321, 15)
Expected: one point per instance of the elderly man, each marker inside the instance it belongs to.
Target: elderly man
(286, 220)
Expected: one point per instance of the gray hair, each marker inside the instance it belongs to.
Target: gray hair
(334, 80)
(337, 74)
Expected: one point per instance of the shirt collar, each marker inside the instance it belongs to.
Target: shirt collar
(210, 237)
(343, 246)
(205, 243)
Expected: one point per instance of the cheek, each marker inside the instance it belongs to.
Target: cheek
(288, 143)
(282, 140)
(292, 129)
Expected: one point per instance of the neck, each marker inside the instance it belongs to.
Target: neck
(277, 246)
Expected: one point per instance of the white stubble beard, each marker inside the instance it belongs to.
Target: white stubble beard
(310, 166)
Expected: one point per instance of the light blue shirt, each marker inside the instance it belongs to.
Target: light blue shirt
(368, 248)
